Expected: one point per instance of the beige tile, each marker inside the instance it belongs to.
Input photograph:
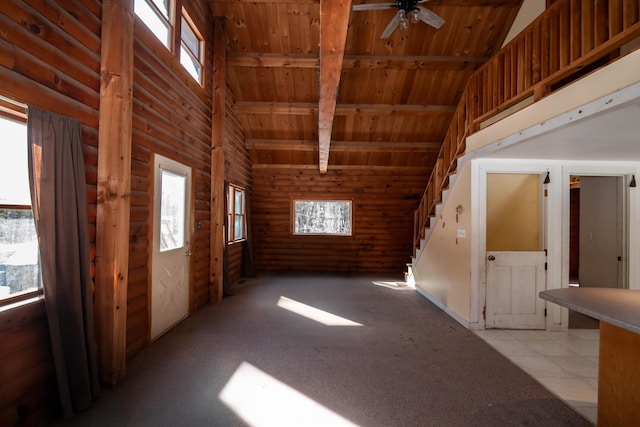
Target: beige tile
(574, 390)
(539, 366)
(583, 347)
(511, 347)
(550, 348)
(577, 366)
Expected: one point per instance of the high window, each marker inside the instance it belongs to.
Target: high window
(158, 16)
(164, 21)
(19, 265)
(323, 217)
(236, 224)
(191, 48)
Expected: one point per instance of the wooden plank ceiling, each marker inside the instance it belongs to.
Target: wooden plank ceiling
(393, 99)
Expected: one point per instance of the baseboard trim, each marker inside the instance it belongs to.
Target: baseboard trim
(442, 307)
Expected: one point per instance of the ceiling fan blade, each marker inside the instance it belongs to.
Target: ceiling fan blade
(429, 17)
(393, 24)
(374, 6)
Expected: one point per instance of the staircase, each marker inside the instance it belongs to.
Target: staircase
(592, 36)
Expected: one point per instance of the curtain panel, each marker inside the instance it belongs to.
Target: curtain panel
(58, 193)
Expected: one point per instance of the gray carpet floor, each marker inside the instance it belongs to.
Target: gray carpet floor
(254, 359)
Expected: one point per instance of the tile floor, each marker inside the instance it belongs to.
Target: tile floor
(566, 362)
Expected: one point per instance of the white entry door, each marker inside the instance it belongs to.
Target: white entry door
(170, 259)
(514, 280)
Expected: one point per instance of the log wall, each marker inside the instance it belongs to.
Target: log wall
(383, 205)
(171, 117)
(49, 58)
(237, 171)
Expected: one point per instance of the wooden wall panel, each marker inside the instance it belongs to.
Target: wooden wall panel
(50, 59)
(238, 172)
(383, 205)
(171, 117)
(28, 393)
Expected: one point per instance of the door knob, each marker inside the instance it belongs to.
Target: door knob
(188, 253)
(491, 258)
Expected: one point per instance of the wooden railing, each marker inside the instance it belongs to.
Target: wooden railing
(569, 37)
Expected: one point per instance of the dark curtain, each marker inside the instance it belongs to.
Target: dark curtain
(58, 194)
(248, 268)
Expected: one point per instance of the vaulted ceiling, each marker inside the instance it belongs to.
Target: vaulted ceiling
(387, 103)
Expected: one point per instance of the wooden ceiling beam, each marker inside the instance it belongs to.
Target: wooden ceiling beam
(344, 146)
(307, 108)
(405, 170)
(334, 23)
(392, 110)
(293, 108)
(440, 3)
(272, 60)
(278, 60)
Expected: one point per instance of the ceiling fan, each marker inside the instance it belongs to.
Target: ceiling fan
(408, 10)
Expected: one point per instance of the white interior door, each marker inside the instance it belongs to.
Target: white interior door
(514, 280)
(170, 259)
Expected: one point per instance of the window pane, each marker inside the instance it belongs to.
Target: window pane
(14, 175)
(172, 211)
(190, 64)
(151, 19)
(189, 38)
(239, 202)
(19, 267)
(322, 217)
(238, 228)
(164, 6)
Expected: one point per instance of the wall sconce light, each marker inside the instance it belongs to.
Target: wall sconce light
(632, 184)
(547, 180)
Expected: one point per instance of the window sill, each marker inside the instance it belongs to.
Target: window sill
(21, 300)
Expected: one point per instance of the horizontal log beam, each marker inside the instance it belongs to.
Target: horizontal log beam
(343, 146)
(454, 3)
(278, 60)
(405, 169)
(308, 108)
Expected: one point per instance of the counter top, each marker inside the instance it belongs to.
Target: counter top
(619, 307)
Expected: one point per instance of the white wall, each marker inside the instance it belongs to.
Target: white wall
(443, 271)
(529, 10)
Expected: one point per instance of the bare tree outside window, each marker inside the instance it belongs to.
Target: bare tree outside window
(330, 217)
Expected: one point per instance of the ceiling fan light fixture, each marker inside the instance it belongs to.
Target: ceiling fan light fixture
(415, 18)
(404, 22)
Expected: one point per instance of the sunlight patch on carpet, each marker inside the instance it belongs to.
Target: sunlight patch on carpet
(262, 400)
(313, 313)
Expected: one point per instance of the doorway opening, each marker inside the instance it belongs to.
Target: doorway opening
(596, 237)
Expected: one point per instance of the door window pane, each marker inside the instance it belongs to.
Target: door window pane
(172, 211)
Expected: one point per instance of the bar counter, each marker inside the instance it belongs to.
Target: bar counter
(618, 311)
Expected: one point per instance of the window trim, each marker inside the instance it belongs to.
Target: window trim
(293, 218)
(231, 214)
